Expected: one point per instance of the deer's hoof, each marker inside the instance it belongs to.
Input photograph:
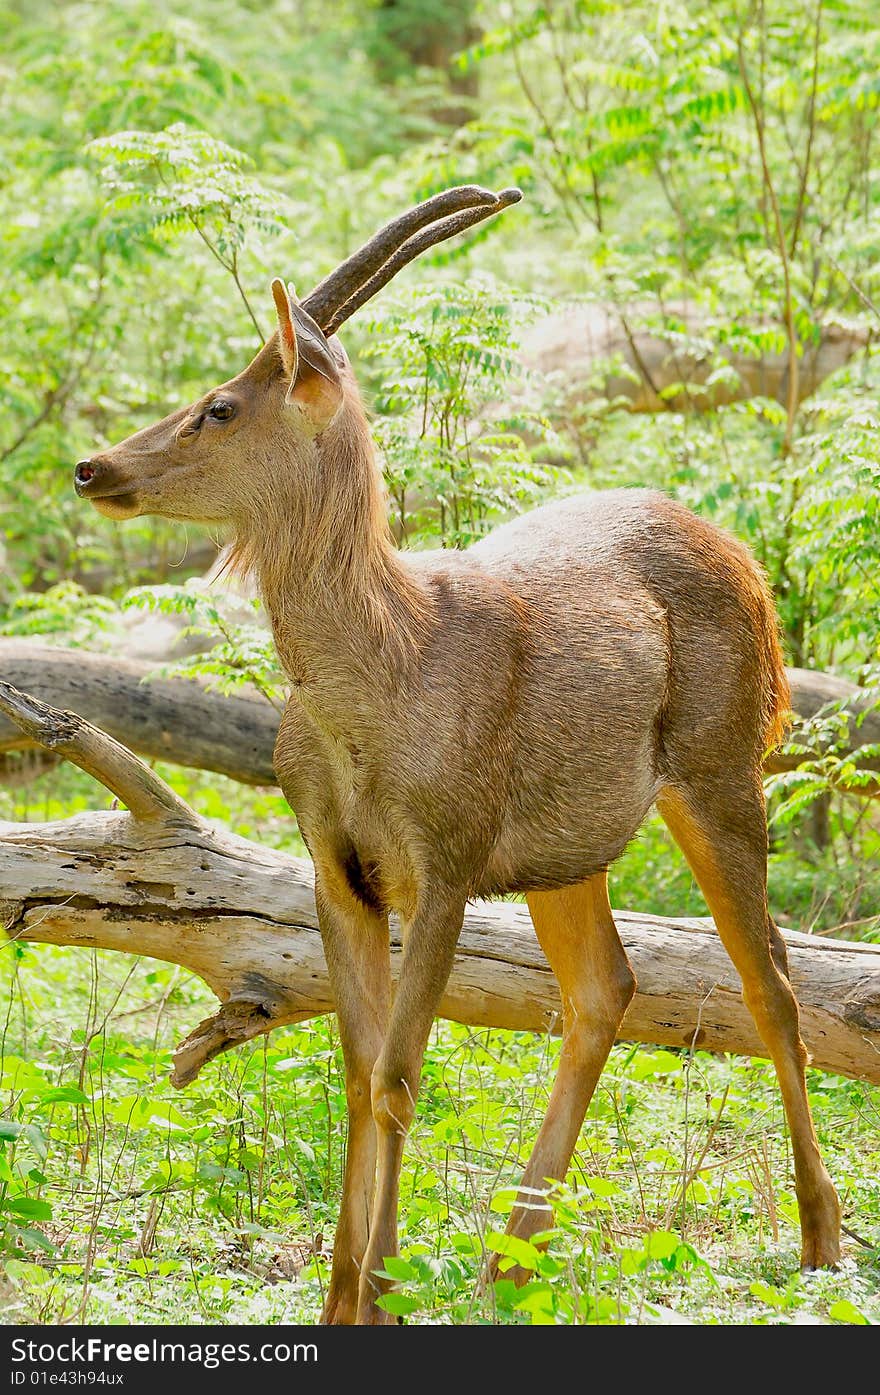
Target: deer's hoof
(820, 1230)
(820, 1251)
(339, 1311)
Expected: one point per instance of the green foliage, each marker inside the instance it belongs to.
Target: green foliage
(455, 457)
(833, 757)
(65, 612)
(125, 1200)
(181, 179)
(22, 1153)
(238, 653)
(156, 168)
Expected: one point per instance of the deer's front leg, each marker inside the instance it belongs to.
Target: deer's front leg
(431, 938)
(355, 940)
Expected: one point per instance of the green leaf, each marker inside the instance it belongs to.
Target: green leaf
(513, 1250)
(29, 1206)
(844, 1311)
(535, 1298)
(32, 1238)
(400, 1304)
(768, 1293)
(648, 1063)
(466, 1244)
(602, 1186)
(64, 1094)
(397, 1268)
(662, 1244)
(504, 1201)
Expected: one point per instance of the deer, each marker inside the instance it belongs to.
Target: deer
(494, 720)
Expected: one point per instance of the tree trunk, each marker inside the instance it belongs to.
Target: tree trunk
(160, 881)
(409, 36)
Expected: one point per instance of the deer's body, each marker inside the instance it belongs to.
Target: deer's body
(477, 723)
(520, 737)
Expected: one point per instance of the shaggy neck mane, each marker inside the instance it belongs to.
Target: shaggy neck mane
(319, 543)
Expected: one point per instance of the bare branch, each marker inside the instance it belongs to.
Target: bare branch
(788, 298)
(237, 1021)
(811, 131)
(162, 718)
(65, 734)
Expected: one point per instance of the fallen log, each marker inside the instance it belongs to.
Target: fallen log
(191, 724)
(159, 881)
(172, 719)
(649, 358)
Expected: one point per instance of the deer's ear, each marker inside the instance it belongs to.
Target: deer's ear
(315, 384)
(286, 328)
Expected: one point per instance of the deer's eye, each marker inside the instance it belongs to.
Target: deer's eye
(221, 410)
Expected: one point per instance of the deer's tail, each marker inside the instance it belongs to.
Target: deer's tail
(775, 685)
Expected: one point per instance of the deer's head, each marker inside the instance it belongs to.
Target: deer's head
(209, 462)
(215, 460)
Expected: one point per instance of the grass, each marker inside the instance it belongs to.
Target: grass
(125, 1201)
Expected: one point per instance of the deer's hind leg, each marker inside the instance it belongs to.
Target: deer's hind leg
(576, 931)
(723, 834)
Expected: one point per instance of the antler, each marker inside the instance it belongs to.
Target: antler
(364, 273)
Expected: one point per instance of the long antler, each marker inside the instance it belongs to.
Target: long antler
(365, 272)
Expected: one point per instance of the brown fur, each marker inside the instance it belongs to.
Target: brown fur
(481, 723)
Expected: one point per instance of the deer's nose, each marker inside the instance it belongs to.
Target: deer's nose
(84, 474)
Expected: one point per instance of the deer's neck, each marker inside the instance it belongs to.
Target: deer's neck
(343, 607)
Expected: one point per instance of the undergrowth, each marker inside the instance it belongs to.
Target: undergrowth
(123, 1200)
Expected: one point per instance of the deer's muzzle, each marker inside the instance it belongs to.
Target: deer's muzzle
(100, 484)
(92, 479)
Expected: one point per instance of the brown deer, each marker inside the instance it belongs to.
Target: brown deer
(476, 723)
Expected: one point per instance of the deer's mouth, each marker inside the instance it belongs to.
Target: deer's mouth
(116, 505)
(118, 502)
(88, 486)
